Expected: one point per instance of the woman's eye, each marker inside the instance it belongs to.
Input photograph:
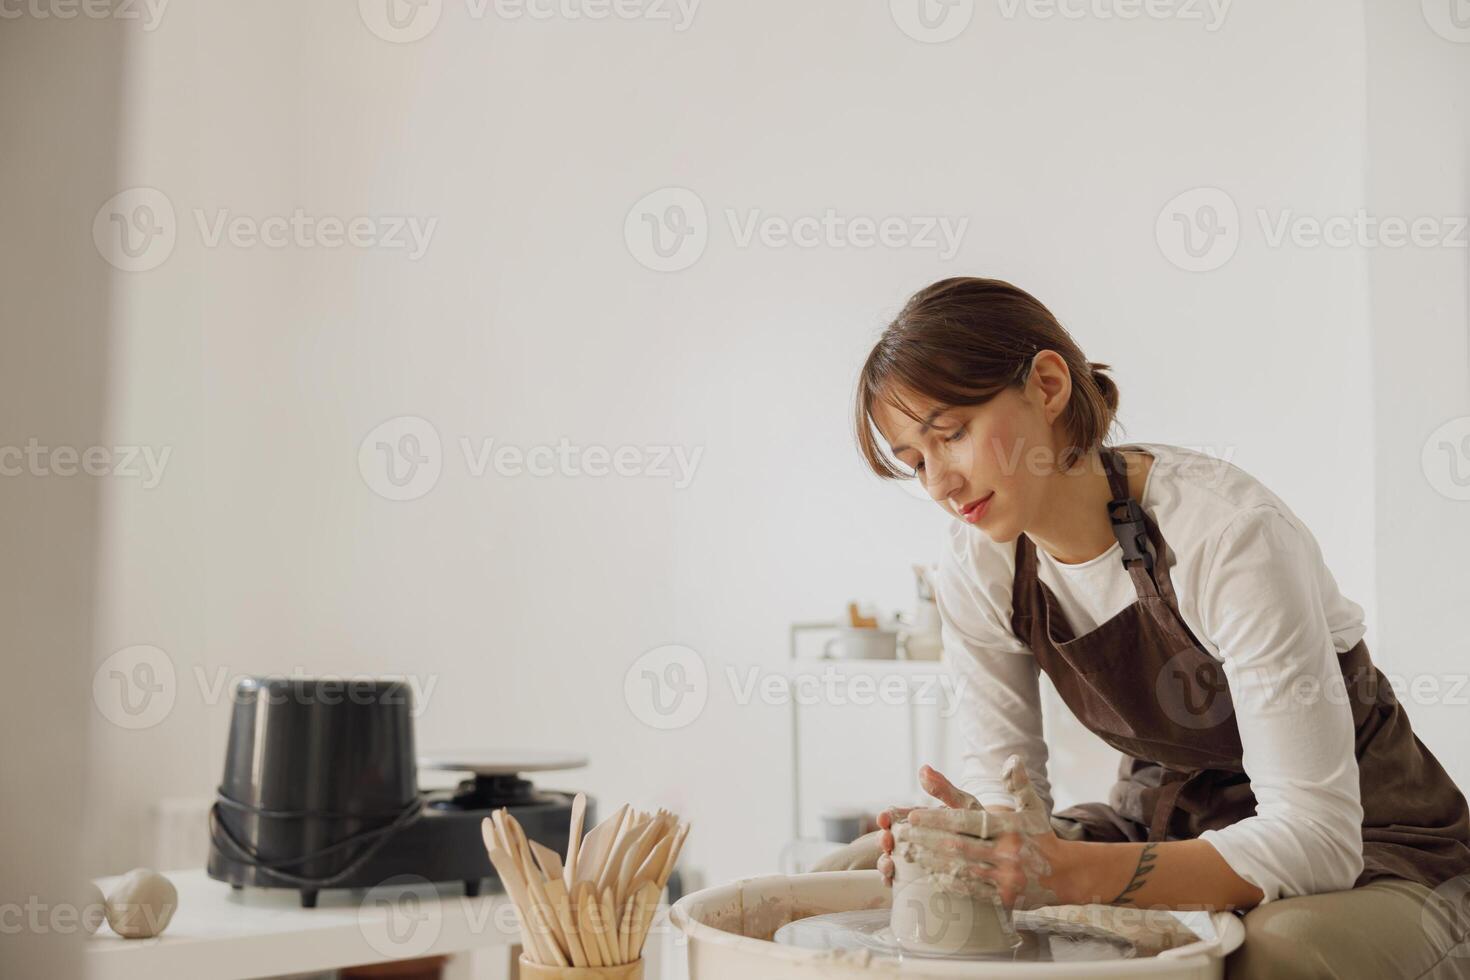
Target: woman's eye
(958, 435)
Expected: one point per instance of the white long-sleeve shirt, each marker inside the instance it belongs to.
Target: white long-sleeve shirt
(1253, 589)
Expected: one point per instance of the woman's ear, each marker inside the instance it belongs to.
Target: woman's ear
(1049, 384)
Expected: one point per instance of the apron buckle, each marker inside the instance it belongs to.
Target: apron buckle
(1132, 533)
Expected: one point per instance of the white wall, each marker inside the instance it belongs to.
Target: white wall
(59, 120)
(1418, 162)
(528, 321)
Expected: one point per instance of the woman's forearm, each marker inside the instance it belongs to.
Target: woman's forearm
(1186, 874)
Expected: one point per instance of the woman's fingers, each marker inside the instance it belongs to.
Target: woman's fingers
(937, 785)
(1031, 818)
(952, 864)
(885, 868)
(985, 848)
(893, 815)
(976, 823)
(973, 863)
(945, 843)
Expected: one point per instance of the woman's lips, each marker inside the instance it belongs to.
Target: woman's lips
(976, 509)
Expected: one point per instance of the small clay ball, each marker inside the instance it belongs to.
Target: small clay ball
(93, 908)
(141, 904)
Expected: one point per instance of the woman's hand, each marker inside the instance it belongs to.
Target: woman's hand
(1014, 851)
(936, 785)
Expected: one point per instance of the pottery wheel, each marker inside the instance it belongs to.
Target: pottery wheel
(500, 762)
(1043, 939)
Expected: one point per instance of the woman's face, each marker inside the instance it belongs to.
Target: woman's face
(986, 465)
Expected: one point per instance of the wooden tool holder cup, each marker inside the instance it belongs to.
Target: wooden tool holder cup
(586, 919)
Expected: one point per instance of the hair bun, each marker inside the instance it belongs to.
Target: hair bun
(1105, 384)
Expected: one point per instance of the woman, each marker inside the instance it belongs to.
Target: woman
(1186, 617)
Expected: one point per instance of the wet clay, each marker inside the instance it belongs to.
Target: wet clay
(937, 914)
(141, 904)
(939, 905)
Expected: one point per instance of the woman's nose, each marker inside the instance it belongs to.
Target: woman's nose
(940, 481)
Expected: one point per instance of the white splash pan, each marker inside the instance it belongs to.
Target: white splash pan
(729, 932)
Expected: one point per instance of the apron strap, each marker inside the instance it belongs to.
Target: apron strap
(1025, 563)
(1130, 526)
(1169, 790)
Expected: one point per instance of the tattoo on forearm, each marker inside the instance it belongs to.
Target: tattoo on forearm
(1146, 864)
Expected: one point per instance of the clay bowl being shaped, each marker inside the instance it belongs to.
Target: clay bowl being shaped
(731, 932)
(938, 917)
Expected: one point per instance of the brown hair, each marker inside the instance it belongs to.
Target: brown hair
(963, 341)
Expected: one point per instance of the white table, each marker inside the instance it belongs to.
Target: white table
(240, 935)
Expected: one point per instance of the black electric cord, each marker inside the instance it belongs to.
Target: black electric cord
(373, 839)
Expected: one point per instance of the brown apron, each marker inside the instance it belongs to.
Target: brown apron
(1143, 684)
